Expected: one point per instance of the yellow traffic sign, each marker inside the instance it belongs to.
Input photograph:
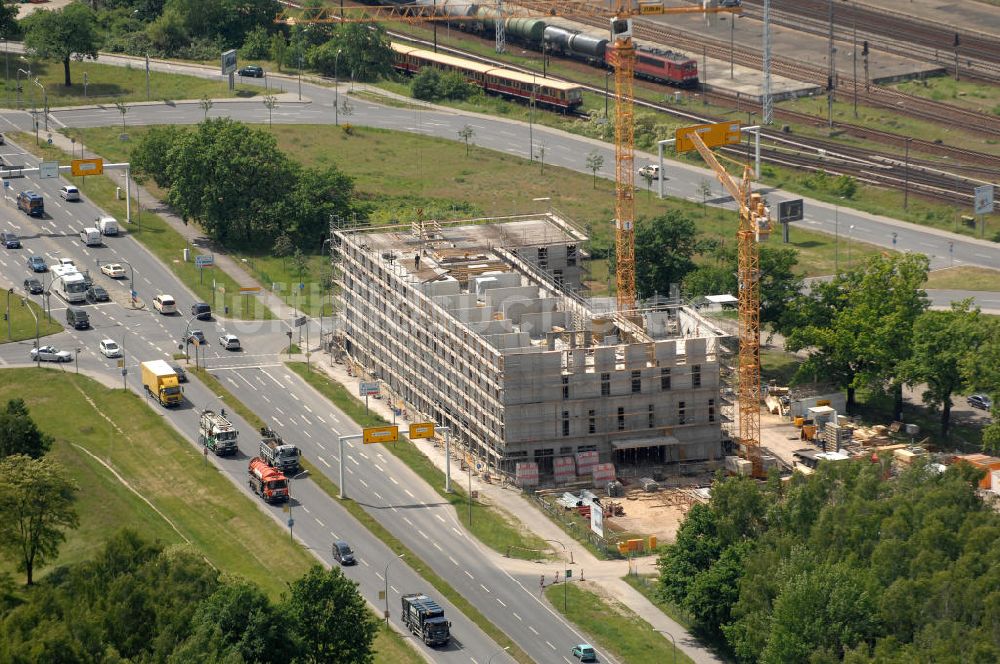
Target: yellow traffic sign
(713, 135)
(421, 430)
(387, 434)
(121, 363)
(87, 166)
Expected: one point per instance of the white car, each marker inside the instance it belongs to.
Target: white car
(109, 348)
(230, 341)
(652, 171)
(113, 270)
(165, 304)
(69, 193)
(51, 354)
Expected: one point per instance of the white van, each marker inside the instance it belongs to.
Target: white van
(107, 225)
(165, 304)
(91, 237)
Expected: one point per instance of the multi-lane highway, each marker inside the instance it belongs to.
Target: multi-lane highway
(383, 485)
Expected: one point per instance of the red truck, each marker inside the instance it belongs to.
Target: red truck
(267, 482)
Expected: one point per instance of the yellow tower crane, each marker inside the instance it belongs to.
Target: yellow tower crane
(623, 62)
(754, 227)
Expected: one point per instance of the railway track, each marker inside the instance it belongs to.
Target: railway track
(903, 35)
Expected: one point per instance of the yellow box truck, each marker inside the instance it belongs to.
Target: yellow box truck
(160, 381)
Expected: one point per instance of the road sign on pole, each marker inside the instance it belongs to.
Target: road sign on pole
(204, 260)
(387, 434)
(790, 210)
(368, 389)
(87, 166)
(421, 430)
(984, 199)
(713, 135)
(48, 170)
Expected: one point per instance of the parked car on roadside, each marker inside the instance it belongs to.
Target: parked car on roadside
(252, 71)
(981, 401)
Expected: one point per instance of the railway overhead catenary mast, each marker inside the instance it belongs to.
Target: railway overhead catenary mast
(624, 64)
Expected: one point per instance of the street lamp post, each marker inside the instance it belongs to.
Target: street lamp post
(78, 360)
(565, 550)
(9, 292)
(38, 354)
(836, 239)
(906, 175)
(849, 232)
(674, 642)
(45, 102)
(336, 89)
(607, 75)
(531, 121)
(386, 577)
(184, 342)
(504, 649)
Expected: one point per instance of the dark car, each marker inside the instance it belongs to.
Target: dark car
(97, 294)
(34, 286)
(980, 401)
(37, 264)
(197, 337)
(253, 71)
(77, 318)
(182, 376)
(342, 553)
(201, 310)
(10, 240)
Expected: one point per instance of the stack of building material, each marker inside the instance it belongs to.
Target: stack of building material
(526, 474)
(738, 466)
(649, 484)
(983, 462)
(564, 469)
(603, 473)
(585, 462)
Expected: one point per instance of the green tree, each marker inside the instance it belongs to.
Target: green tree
(150, 153)
(943, 341)
(279, 48)
(859, 328)
(595, 161)
(257, 44)
(62, 34)
(19, 434)
(425, 84)
(466, 133)
(779, 284)
(8, 21)
(168, 34)
(664, 250)
(36, 506)
(283, 247)
(981, 370)
(366, 53)
(330, 619)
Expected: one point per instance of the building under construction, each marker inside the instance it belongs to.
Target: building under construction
(483, 325)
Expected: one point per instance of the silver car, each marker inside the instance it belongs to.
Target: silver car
(51, 354)
(230, 341)
(70, 193)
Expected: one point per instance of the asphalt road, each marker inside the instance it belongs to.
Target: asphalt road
(148, 335)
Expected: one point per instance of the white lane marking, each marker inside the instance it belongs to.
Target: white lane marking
(457, 531)
(294, 396)
(409, 494)
(407, 520)
(424, 535)
(307, 433)
(350, 470)
(320, 418)
(321, 524)
(363, 482)
(363, 454)
(468, 574)
(454, 562)
(305, 419)
(514, 613)
(277, 421)
(379, 575)
(394, 481)
(335, 419)
(308, 409)
(484, 587)
(501, 603)
(364, 562)
(438, 547)
(321, 446)
(533, 630)
(550, 645)
(355, 461)
(279, 410)
(376, 495)
(306, 509)
(380, 468)
(246, 381)
(440, 518)
(324, 462)
(393, 588)
(334, 536)
(265, 398)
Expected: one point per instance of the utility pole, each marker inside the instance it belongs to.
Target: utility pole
(832, 74)
(906, 175)
(854, 55)
(768, 102)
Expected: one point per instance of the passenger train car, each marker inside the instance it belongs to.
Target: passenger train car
(548, 92)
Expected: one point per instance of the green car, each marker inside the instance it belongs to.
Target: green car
(585, 653)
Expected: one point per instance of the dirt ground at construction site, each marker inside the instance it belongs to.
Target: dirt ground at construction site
(658, 513)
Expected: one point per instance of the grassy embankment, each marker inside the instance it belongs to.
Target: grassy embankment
(133, 469)
(22, 323)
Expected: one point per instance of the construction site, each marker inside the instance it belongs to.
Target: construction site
(483, 326)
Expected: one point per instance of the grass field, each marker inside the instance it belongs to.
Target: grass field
(615, 628)
(490, 525)
(22, 323)
(166, 470)
(965, 278)
(156, 235)
(107, 84)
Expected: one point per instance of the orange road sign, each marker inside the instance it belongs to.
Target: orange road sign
(714, 135)
(421, 430)
(387, 434)
(87, 166)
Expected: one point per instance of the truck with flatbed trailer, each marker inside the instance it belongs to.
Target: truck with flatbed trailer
(277, 453)
(267, 482)
(160, 381)
(425, 619)
(217, 433)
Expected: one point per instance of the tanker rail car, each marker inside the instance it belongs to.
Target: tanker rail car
(545, 35)
(548, 92)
